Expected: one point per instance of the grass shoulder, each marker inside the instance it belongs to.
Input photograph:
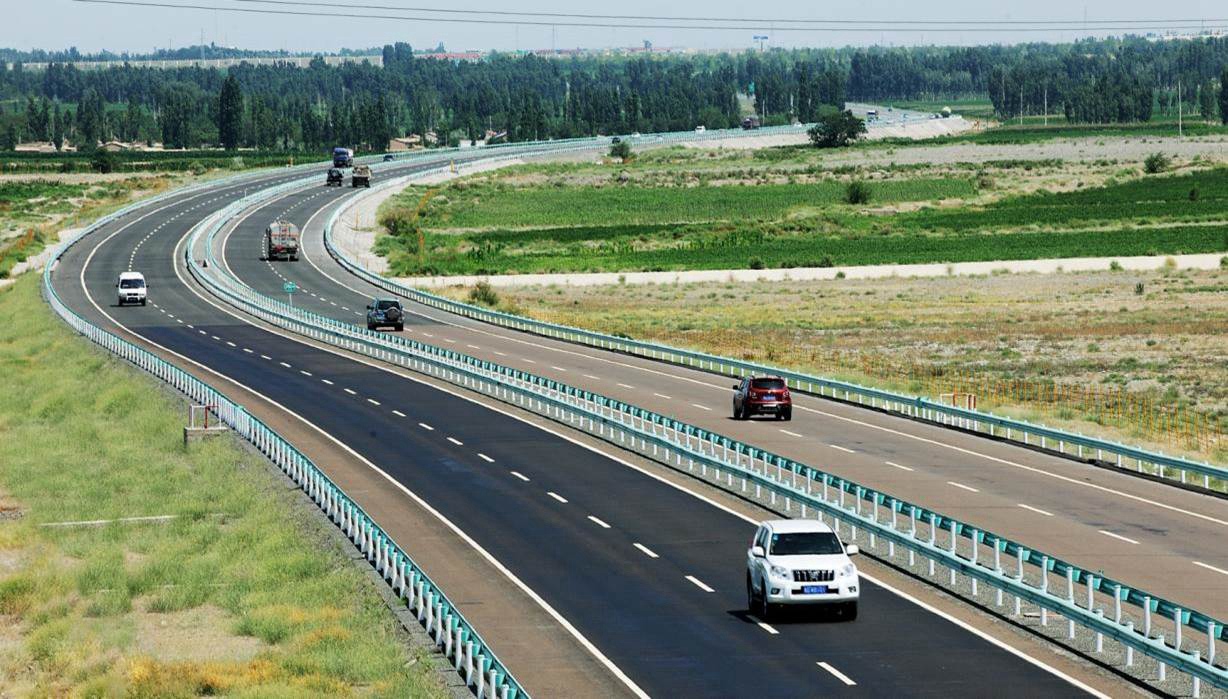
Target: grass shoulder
(241, 591)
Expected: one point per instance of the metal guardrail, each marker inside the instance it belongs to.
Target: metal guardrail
(917, 407)
(746, 469)
(457, 639)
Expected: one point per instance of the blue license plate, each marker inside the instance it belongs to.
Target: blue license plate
(814, 589)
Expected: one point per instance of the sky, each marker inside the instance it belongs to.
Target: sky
(59, 24)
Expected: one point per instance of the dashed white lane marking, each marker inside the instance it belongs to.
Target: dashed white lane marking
(456, 441)
(1119, 537)
(598, 522)
(899, 466)
(699, 583)
(501, 354)
(520, 475)
(662, 395)
(701, 407)
(530, 361)
(398, 413)
(216, 338)
(968, 488)
(473, 347)
(285, 365)
(1037, 510)
(350, 391)
(556, 496)
(426, 427)
(304, 373)
(837, 446)
(590, 376)
(230, 343)
(428, 334)
(265, 356)
(330, 383)
(767, 627)
(647, 551)
(791, 434)
(557, 368)
(1210, 567)
(837, 674)
(178, 320)
(372, 401)
(451, 342)
(485, 458)
(248, 350)
(191, 326)
(202, 332)
(626, 385)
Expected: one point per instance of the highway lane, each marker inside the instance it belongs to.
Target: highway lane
(1157, 537)
(643, 612)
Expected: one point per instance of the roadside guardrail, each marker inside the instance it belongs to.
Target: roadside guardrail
(456, 638)
(1068, 444)
(1156, 628)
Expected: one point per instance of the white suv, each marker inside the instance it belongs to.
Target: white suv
(800, 561)
(131, 288)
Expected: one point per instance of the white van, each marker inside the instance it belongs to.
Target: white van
(131, 288)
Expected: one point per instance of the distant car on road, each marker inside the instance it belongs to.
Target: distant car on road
(701, 128)
(796, 562)
(750, 122)
(762, 395)
(388, 157)
(616, 139)
(335, 177)
(131, 288)
(382, 313)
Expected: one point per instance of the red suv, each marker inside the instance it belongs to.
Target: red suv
(761, 395)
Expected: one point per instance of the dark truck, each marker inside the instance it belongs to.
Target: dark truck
(281, 241)
(334, 177)
(384, 312)
(343, 157)
(361, 176)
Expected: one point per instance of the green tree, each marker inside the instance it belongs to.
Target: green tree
(1223, 96)
(1206, 100)
(836, 130)
(8, 140)
(622, 151)
(230, 113)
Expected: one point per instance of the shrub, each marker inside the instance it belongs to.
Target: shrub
(103, 161)
(840, 274)
(1114, 266)
(1139, 289)
(857, 192)
(1194, 194)
(756, 263)
(622, 151)
(483, 294)
(1155, 163)
(1223, 262)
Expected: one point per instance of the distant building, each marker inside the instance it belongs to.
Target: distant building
(409, 142)
(35, 147)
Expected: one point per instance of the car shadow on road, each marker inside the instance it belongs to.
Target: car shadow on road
(799, 614)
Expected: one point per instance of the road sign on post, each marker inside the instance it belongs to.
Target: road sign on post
(290, 288)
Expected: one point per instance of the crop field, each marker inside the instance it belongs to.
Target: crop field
(1131, 356)
(781, 210)
(239, 591)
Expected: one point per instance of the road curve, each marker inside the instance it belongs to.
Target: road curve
(538, 503)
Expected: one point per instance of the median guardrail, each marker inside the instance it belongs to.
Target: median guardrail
(1141, 622)
(455, 636)
(1070, 444)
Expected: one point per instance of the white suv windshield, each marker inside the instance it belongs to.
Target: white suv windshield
(805, 544)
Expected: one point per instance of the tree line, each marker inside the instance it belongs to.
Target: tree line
(527, 97)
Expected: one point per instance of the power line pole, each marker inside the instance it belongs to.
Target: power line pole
(1180, 134)
(1046, 103)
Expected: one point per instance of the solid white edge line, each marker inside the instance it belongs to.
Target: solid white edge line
(699, 583)
(837, 674)
(504, 570)
(646, 551)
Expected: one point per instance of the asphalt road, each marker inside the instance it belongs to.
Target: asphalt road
(1163, 539)
(564, 519)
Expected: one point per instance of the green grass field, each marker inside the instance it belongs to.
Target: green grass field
(784, 226)
(243, 593)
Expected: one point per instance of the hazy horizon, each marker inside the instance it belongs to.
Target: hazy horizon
(60, 24)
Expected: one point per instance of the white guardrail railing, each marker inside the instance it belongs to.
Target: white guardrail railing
(1068, 444)
(1151, 634)
(456, 638)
